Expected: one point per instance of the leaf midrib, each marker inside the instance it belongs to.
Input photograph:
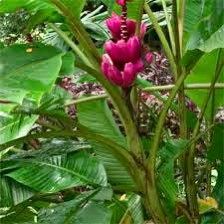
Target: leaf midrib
(82, 178)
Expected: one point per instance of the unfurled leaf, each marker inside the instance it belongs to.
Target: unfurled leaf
(52, 174)
(81, 210)
(20, 214)
(68, 66)
(27, 71)
(204, 25)
(15, 127)
(97, 116)
(13, 193)
(202, 73)
(166, 182)
(29, 67)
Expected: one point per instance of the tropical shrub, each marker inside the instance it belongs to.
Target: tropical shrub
(94, 165)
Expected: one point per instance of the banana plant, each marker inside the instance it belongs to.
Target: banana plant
(96, 167)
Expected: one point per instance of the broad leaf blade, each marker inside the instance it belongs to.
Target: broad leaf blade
(215, 152)
(15, 127)
(168, 154)
(117, 174)
(204, 25)
(22, 213)
(78, 211)
(93, 212)
(60, 172)
(13, 193)
(128, 209)
(31, 68)
(97, 116)
(68, 66)
(202, 73)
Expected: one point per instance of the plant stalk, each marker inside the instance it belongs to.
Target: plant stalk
(161, 121)
(86, 99)
(133, 139)
(170, 29)
(186, 87)
(191, 190)
(78, 30)
(181, 95)
(154, 201)
(148, 89)
(162, 38)
(181, 10)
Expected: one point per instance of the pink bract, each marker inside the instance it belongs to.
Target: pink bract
(149, 57)
(124, 77)
(114, 25)
(121, 2)
(122, 51)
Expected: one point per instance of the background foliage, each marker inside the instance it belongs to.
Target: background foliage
(66, 157)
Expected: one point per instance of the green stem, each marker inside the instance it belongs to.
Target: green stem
(208, 180)
(133, 139)
(149, 89)
(170, 29)
(181, 8)
(80, 33)
(139, 19)
(190, 184)
(211, 135)
(71, 44)
(161, 121)
(85, 99)
(162, 38)
(178, 25)
(152, 201)
(192, 86)
(152, 194)
(182, 114)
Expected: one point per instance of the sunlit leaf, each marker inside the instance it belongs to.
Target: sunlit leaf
(204, 74)
(15, 127)
(13, 193)
(59, 172)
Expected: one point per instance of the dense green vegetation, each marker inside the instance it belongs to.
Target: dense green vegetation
(87, 136)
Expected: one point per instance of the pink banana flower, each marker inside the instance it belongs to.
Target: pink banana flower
(122, 61)
(114, 26)
(122, 2)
